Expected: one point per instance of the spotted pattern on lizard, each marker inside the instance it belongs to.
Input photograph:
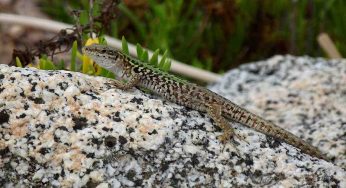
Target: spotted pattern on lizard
(190, 95)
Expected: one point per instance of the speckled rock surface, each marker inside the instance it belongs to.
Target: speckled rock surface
(306, 96)
(66, 129)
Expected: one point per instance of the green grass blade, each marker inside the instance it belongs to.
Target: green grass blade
(125, 46)
(106, 73)
(18, 63)
(163, 60)
(167, 66)
(145, 56)
(84, 17)
(46, 64)
(139, 50)
(110, 74)
(154, 59)
(102, 40)
(73, 56)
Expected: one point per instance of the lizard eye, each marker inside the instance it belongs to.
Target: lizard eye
(103, 51)
(136, 70)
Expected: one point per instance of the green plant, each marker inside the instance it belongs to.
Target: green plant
(219, 35)
(142, 55)
(89, 67)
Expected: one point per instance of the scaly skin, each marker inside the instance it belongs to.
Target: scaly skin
(188, 94)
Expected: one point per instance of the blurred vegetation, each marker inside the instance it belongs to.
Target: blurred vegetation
(220, 34)
(89, 67)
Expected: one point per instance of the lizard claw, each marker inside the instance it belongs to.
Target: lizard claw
(229, 134)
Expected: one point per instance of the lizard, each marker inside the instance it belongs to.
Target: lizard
(182, 92)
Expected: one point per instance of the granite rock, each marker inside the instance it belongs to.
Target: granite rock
(66, 129)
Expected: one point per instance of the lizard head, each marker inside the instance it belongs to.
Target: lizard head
(106, 56)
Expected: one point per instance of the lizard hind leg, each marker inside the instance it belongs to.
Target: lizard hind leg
(214, 111)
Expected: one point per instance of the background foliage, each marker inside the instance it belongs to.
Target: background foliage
(220, 34)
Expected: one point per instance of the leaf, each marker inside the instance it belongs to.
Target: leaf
(73, 56)
(163, 60)
(18, 63)
(109, 74)
(139, 50)
(167, 66)
(154, 58)
(145, 57)
(84, 17)
(102, 40)
(87, 65)
(125, 46)
(46, 64)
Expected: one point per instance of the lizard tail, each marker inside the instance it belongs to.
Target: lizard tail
(251, 120)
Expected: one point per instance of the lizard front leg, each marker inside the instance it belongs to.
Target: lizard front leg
(133, 81)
